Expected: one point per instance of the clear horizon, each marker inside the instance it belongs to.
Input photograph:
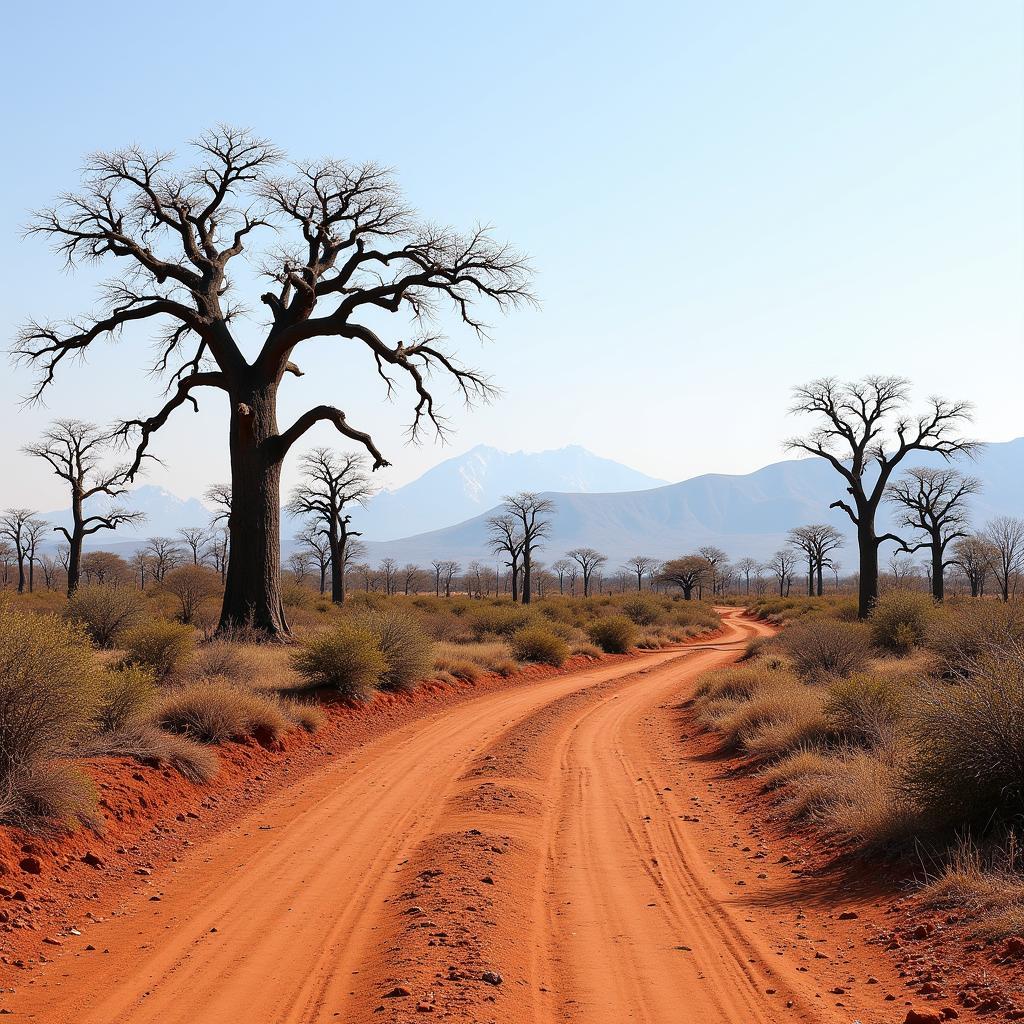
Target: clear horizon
(725, 203)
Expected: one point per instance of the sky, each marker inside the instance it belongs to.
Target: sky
(720, 201)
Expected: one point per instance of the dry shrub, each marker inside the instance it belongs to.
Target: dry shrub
(901, 619)
(126, 692)
(823, 647)
(740, 682)
(614, 634)
(159, 645)
(191, 585)
(454, 667)
(104, 611)
(587, 651)
(540, 644)
(51, 796)
(152, 745)
(866, 709)
(216, 710)
(775, 720)
(966, 631)
(968, 767)
(303, 714)
(346, 658)
(642, 609)
(408, 651)
(759, 647)
(497, 620)
(796, 765)
(223, 658)
(491, 656)
(49, 694)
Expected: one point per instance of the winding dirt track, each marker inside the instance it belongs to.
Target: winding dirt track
(534, 833)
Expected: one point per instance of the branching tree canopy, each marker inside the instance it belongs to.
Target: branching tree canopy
(75, 451)
(934, 502)
(641, 565)
(816, 542)
(589, 561)
(330, 484)
(340, 248)
(505, 536)
(864, 433)
(687, 573)
(531, 511)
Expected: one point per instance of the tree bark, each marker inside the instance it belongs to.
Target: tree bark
(938, 569)
(252, 593)
(868, 583)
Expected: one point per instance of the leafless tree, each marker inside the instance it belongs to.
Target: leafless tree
(437, 565)
(332, 483)
(343, 249)
(688, 573)
(195, 538)
(411, 577)
(561, 568)
(450, 570)
(782, 565)
(8, 558)
(816, 542)
(934, 503)
(1005, 536)
(35, 530)
(532, 513)
(50, 567)
(975, 557)
(105, 567)
(75, 451)
(191, 585)
(641, 566)
(217, 550)
(865, 433)
(505, 538)
(589, 561)
(388, 570)
(219, 496)
(716, 558)
(140, 562)
(164, 555)
(746, 566)
(299, 563)
(14, 525)
(317, 547)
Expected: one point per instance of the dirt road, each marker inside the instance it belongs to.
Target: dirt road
(536, 854)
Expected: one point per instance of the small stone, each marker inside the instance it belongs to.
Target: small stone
(923, 1017)
(492, 978)
(397, 992)
(92, 860)
(849, 915)
(31, 865)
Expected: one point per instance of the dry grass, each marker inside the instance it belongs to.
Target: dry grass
(152, 745)
(493, 656)
(540, 644)
(346, 658)
(822, 648)
(215, 711)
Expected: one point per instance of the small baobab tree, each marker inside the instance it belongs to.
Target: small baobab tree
(974, 556)
(934, 503)
(641, 566)
(865, 432)
(76, 451)
(196, 538)
(532, 515)
(689, 573)
(816, 543)
(14, 526)
(782, 565)
(332, 483)
(746, 567)
(342, 250)
(505, 538)
(590, 562)
(163, 554)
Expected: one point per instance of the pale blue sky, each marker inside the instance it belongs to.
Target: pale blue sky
(720, 199)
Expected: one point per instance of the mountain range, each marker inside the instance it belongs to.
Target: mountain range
(600, 503)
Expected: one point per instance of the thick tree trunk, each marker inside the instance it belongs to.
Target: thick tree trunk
(338, 546)
(821, 582)
(75, 543)
(868, 583)
(252, 593)
(938, 569)
(527, 566)
(515, 580)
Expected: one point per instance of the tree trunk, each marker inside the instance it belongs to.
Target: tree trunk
(938, 569)
(821, 583)
(515, 580)
(252, 593)
(868, 583)
(527, 565)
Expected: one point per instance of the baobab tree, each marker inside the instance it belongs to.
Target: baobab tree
(35, 529)
(865, 433)
(934, 503)
(782, 565)
(505, 538)
(341, 250)
(331, 483)
(14, 526)
(716, 558)
(75, 451)
(641, 566)
(561, 568)
(531, 512)
(746, 566)
(815, 542)
(589, 561)
(688, 573)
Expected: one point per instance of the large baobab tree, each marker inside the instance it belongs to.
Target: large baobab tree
(589, 561)
(865, 433)
(505, 538)
(75, 451)
(688, 573)
(816, 542)
(530, 511)
(330, 484)
(341, 250)
(934, 503)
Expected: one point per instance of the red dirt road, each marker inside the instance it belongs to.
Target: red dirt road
(539, 854)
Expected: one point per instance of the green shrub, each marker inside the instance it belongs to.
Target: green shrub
(126, 692)
(826, 647)
(539, 644)
(216, 710)
(901, 619)
(346, 658)
(104, 611)
(968, 767)
(504, 619)
(865, 709)
(614, 634)
(643, 609)
(159, 645)
(408, 651)
(49, 694)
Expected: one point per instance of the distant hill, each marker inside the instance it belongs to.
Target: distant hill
(746, 515)
(468, 484)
